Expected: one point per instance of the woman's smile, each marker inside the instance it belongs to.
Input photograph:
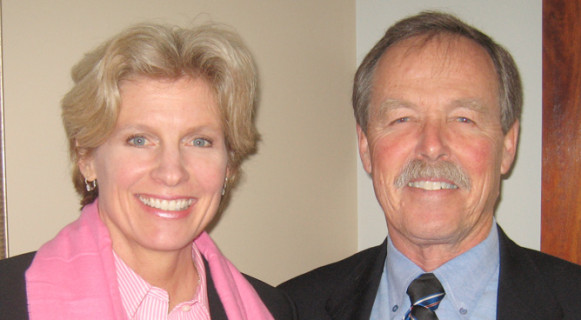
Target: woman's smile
(167, 146)
(165, 204)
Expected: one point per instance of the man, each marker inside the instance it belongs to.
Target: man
(437, 105)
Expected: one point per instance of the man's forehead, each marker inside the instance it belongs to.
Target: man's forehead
(439, 55)
(440, 62)
(444, 48)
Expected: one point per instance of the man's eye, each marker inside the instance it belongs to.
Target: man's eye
(402, 120)
(201, 142)
(464, 120)
(137, 141)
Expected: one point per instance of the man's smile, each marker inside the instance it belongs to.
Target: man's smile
(431, 185)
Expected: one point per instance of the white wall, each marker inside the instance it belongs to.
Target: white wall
(516, 24)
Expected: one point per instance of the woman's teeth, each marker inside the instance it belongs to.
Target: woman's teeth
(166, 205)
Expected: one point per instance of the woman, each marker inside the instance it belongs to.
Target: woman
(159, 121)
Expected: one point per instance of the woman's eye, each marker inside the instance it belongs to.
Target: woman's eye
(201, 142)
(137, 141)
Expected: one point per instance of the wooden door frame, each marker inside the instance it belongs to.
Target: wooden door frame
(561, 163)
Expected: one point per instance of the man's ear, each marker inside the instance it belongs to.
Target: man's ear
(509, 147)
(364, 149)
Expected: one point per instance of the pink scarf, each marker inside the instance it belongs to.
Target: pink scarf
(73, 276)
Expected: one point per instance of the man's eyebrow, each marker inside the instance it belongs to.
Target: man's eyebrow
(389, 105)
(472, 104)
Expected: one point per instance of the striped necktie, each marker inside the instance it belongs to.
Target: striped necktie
(425, 293)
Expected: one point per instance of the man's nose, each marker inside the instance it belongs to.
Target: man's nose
(433, 143)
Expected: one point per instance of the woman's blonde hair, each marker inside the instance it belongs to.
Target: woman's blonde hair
(91, 107)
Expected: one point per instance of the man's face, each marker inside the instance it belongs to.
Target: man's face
(434, 145)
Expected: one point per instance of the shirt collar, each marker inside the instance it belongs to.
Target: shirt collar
(467, 274)
(135, 289)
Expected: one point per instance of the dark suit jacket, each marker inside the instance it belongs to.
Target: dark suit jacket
(532, 285)
(13, 304)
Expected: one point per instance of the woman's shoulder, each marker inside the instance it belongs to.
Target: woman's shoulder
(16, 264)
(13, 286)
(277, 301)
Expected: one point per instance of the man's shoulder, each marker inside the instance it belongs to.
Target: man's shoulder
(537, 283)
(547, 265)
(548, 262)
(331, 275)
(557, 271)
(342, 290)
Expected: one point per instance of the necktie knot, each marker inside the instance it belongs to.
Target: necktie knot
(426, 293)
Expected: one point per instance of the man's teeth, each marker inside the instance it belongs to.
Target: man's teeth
(432, 185)
(166, 205)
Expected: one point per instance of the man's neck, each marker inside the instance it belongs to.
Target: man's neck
(429, 255)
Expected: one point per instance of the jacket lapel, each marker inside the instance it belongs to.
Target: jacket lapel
(355, 299)
(217, 311)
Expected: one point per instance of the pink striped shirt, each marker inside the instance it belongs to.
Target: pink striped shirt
(143, 301)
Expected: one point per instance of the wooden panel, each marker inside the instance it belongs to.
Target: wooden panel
(561, 176)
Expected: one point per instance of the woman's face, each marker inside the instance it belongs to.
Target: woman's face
(162, 169)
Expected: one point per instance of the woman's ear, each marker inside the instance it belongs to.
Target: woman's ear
(86, 163)
(87, 167)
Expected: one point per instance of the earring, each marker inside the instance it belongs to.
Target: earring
(224, 188)
(90, 185)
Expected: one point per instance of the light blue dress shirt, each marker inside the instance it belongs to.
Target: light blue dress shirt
(470, 281)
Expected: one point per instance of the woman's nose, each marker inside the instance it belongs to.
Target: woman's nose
(170, 169)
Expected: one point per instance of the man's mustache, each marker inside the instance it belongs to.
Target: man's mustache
(418, 169)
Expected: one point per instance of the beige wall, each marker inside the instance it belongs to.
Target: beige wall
(296, 208)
